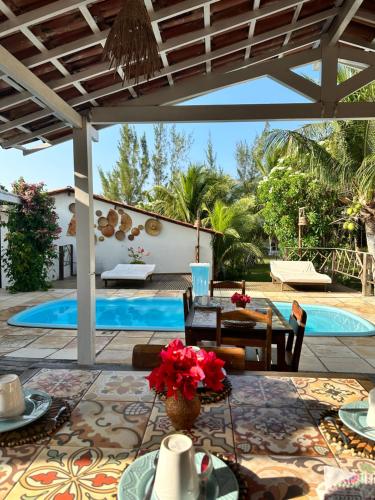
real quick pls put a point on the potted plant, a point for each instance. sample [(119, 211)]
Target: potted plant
[(240, 299), (137, 256), (180, 373)]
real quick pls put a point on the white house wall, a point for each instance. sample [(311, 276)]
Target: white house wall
[(171, 251)]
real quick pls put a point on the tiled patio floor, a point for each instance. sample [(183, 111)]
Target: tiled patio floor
[(320, 354)]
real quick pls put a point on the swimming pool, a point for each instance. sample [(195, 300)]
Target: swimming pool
[(330, 321), (166, 314), (138, 313)]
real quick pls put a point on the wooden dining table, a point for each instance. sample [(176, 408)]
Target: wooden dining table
[(200, 324)]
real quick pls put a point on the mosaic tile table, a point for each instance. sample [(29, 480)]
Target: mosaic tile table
[(268, 425)]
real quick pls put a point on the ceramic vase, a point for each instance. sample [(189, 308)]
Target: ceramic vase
[(182, 412), (241, 305)]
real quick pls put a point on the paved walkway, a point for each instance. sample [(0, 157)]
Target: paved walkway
[(320, 354)]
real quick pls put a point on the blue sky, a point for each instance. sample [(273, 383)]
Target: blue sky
[(54, 166)]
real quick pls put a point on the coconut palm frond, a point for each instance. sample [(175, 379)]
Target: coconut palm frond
[(365, 177)]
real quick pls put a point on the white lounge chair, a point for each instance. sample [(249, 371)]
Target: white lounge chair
[(139, 272), (297, 272)]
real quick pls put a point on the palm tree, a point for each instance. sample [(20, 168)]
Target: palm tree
[(234, 247), (188, 193), (340, 153)]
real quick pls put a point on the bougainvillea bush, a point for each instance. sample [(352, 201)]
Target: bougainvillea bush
[(32, 228)]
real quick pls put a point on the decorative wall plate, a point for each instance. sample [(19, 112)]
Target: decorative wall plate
[(135, 231), (72, 208), (102, 221), (141, 227), (120, 235), (99, 213), (131, 237), (101, 238), (121, 211), (153, 227)]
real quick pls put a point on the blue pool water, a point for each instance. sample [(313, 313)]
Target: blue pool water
[(330, 321), (166, 313), (138, 313)]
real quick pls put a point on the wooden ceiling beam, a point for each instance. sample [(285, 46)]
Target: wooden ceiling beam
[(297, 83), (345, 15), (355, 83), (359, 44), (39, 15)]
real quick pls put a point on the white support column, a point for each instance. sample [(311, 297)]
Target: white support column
[(85, 243)]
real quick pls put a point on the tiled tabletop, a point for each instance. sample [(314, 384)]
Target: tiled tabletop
[(268, 424)]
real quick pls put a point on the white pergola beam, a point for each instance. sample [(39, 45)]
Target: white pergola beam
[(85, 243), (178, 9), (183, 91), (12, 67), (360, 44), (243, 19), (229, 113), (346, 14), (297, 83)]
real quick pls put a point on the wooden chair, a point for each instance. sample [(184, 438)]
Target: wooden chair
[(228, 285), (187, 298), (297, 321), (241, 336), (146, 356)]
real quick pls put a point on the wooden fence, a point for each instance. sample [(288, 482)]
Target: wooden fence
[(339, 261)]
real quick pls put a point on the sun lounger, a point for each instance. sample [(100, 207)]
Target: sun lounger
[(139, 272), (299, 272)]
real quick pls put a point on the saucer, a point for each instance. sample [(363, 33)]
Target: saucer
[(134, 483), (354, 416), (37, 404)]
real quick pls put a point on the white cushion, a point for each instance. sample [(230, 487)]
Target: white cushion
[(129, 272), (299, 271)]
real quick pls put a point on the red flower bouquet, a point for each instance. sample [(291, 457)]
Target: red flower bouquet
[(240, 300), (183, 368)]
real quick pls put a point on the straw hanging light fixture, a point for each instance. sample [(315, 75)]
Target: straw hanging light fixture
[(131, 43)]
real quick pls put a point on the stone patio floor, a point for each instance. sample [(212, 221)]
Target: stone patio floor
[(27, 346)]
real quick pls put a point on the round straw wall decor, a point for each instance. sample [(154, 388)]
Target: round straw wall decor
[(125, 222), (102, 222), (120, 235), (131, 237), (121, 211), (135, 231), (153, 227), (108, 231), (112, 217)]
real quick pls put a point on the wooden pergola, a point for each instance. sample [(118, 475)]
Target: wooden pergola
[(55, 85)]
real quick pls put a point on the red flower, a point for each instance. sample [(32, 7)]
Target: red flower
[(239, 298), (182, 368)]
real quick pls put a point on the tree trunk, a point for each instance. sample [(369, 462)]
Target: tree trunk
[(370, 237)]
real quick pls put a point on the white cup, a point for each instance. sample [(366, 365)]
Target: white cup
[(12, 399), (371, 409), (176, 473)]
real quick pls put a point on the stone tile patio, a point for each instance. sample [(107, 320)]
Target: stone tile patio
[(320, 354)]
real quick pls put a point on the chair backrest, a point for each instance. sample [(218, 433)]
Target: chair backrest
[(147, 356), (228, 285), (297, 321), (242, 314), (187, 298)]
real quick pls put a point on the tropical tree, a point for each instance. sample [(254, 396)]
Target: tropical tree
[(211, 156), (126, 181), (190, 193), (340, 154), (234, 248)]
